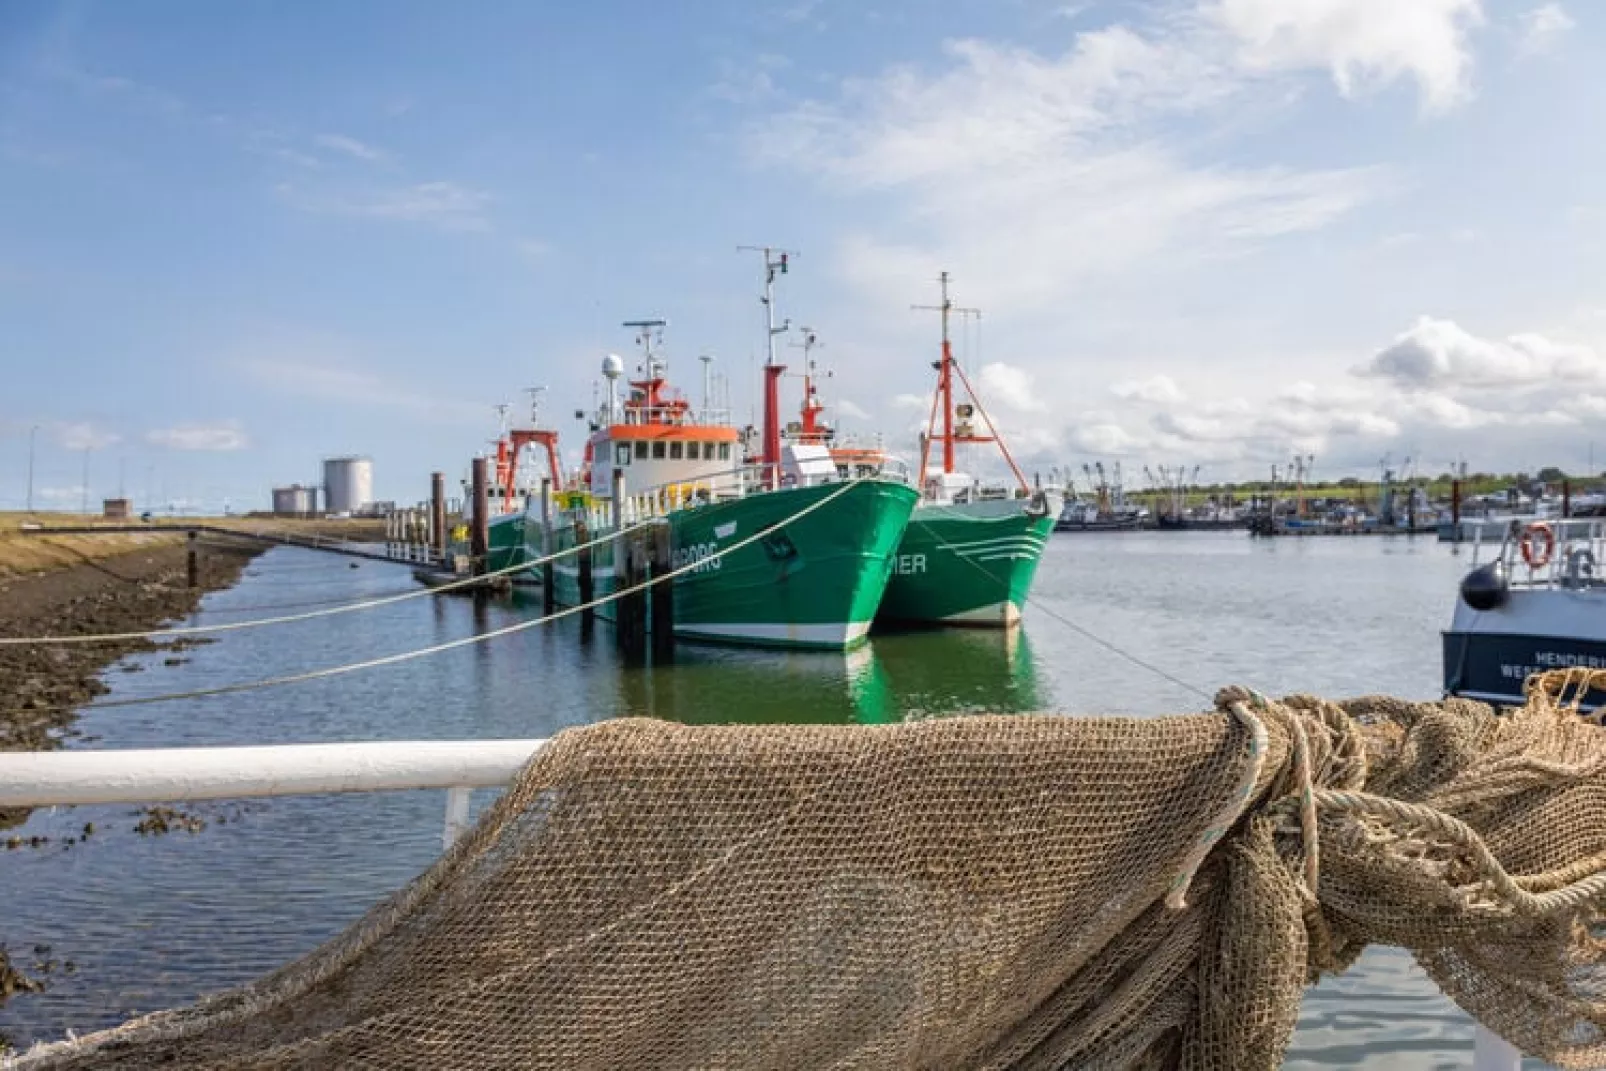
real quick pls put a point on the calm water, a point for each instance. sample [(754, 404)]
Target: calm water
[(152, 921)]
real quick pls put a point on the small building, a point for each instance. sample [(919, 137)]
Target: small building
[(116, 509)]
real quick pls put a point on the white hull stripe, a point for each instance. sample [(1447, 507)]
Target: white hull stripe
[(823, 634), (1018, 537), (997, 613)]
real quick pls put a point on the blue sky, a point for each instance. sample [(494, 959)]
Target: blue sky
[(235, 238)]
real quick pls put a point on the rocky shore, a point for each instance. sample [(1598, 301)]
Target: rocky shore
[(42, 686)]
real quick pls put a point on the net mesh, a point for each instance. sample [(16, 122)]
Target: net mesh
[(984, 892)]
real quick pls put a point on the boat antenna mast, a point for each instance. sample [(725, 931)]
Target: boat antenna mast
[(649, 335), (947, 368), (775, 263), (812, 406)]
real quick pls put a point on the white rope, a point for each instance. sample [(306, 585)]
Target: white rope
[(234, 626), (406, 656)]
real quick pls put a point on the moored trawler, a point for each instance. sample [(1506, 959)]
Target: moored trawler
[(783, 552), (970, 552)]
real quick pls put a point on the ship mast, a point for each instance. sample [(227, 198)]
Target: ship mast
[(945, 382), (775, 263), (947, 368)]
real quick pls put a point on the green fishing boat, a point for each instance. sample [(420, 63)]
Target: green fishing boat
[(784, 551), (969, 552)]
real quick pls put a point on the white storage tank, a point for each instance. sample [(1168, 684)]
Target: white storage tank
[(348, 484), (295, 501)]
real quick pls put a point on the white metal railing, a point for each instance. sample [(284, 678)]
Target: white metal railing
[(1577, 553), (171, 775)]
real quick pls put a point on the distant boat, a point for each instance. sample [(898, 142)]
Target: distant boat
[(1085, 516)]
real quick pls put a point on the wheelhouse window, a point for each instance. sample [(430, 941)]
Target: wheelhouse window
[(692, 449), (658, 450), (675, 451), (724, 451), (621, 454), (641, 449)]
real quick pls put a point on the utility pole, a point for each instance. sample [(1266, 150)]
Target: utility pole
[(33, 435)]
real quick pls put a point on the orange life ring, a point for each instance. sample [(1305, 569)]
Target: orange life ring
[(1537, 544)]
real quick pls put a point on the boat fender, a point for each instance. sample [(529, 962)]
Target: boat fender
[(1486, 587), (1537, 543)]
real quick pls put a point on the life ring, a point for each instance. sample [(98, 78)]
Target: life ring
[(1537, 543)]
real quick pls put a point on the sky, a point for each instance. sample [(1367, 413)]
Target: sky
[(238, 238)]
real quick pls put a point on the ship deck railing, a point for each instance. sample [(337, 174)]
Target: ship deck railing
[(36, 779), (1577, 559)]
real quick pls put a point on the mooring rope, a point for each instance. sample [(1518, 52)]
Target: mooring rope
[(1085, 633), (482, 637), (346, 608)]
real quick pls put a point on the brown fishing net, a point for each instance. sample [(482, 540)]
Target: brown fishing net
[(979, 892)]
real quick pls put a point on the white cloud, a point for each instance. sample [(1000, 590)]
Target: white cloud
[(1542, 27), (848, 409), (1106, 439), (200, 437), (1440, 353), (1159, 390), (1038, 171), (911, 401), (1364, 43), (446, 206), (1011, 385), (84, 436), (361, 150)]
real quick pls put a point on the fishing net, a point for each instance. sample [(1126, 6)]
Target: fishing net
[(986, 892)]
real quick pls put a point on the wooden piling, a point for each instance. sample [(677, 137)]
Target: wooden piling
[(1455, 508), (480, 542), (437, 514), (192, 561), (662, 598), (582, 536), (1566, 499), (548, 596), (630, 608)]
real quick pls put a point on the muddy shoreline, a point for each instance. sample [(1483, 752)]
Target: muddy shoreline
[(42, 686)]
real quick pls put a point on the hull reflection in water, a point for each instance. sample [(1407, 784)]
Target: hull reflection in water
[(891, 679)]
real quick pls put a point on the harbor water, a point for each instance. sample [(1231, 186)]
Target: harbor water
[(146, 922)]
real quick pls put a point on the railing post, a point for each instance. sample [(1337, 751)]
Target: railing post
[(456, 814), (1491, 1052)]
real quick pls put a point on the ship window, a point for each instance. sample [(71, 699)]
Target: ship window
[(691, 451), (724, 451), (658, 450), (641, 449), (621, 454), (674, 451)]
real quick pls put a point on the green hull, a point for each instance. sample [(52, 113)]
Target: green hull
[(813, 582), (510, 539), (966, 565)]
